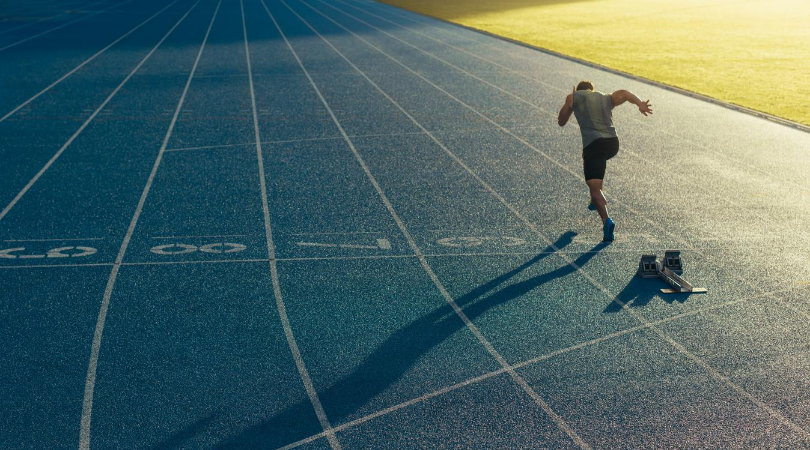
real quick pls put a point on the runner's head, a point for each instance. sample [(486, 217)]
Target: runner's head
[(585, 86)]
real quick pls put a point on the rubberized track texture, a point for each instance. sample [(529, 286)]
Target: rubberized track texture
[(326, 224)]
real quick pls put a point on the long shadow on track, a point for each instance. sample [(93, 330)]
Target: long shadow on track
[(639, 292), (391, 360)]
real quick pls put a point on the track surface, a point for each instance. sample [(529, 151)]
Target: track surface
[(335, 224)]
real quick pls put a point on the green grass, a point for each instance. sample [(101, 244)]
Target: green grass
[(753, 53)]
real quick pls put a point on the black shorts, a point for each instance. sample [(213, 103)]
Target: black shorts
[(595, 156)]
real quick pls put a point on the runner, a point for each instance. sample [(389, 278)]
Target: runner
[(594, 113)]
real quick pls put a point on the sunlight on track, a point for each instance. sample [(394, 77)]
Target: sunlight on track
[(750, 53)]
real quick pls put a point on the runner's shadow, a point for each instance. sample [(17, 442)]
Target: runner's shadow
[(639, 292), (391, 360), (178, 439)]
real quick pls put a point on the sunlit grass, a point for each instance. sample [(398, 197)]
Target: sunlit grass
[(753, 53)]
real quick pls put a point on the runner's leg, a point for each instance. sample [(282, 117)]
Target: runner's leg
[(597, 198)]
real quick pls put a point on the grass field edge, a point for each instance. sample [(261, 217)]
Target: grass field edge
[(739, 108)]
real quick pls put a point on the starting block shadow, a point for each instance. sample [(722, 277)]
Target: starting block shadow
[(638, 293)]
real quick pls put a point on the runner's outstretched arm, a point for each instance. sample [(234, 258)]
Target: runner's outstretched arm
[(567, 110), (622, 96)]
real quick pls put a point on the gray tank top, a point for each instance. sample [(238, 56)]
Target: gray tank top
[(594, 113)]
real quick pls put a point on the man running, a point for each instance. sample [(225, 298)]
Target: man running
[(594, 113)]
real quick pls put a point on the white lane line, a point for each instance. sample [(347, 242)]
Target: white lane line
[(85, 62), (53, 240), (209, 147), (335, 232), (51, 266), (90, 381), (559, 421), (551, 86), (62, 26), (79, 131), (516, 97), (556, 88), (144, 263), (509, 132), (282, 309), (443, 25), (353, 136), (212, 261), (26, 25), (343, 258), (551, 114), (397, 407), (285, 141), (522, 364), (689, 355), (185, 263), (200, 236), (348, 258)]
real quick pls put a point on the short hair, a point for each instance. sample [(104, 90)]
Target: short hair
[(585, 85)]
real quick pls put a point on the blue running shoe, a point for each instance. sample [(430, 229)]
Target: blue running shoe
[(591, 207), (608, 229)]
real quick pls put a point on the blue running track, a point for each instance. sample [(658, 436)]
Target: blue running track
[(325, 224)]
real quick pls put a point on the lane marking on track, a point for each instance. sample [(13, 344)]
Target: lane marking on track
[(512, 44), (209, 147), (53, 240), (182, 249), (518, 138), (90, 381), (680, 348), (476, 241), (382, 244), (83, 63), (56, 252), (63, 25), (199, 236), (26, 25), (768, 175), (56, 266), (558, 420), (330, 233), (509, 132), (76, 134), (522, 364), (281, 307), (334, 138), (348, 258)]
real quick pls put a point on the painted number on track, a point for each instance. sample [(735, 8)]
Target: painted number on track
[(380, 244), (181, 249), (475, 241), (59, 252)]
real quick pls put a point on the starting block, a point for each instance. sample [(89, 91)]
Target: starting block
[(669, 270)]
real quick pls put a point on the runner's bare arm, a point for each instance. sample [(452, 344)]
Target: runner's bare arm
[(567, 110), (622, 96)]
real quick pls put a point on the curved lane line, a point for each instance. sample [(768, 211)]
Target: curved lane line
[(282, 309), (643, 123), (558, 420), (526, 363), (551, 114), (90, 381), (680, 348)]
